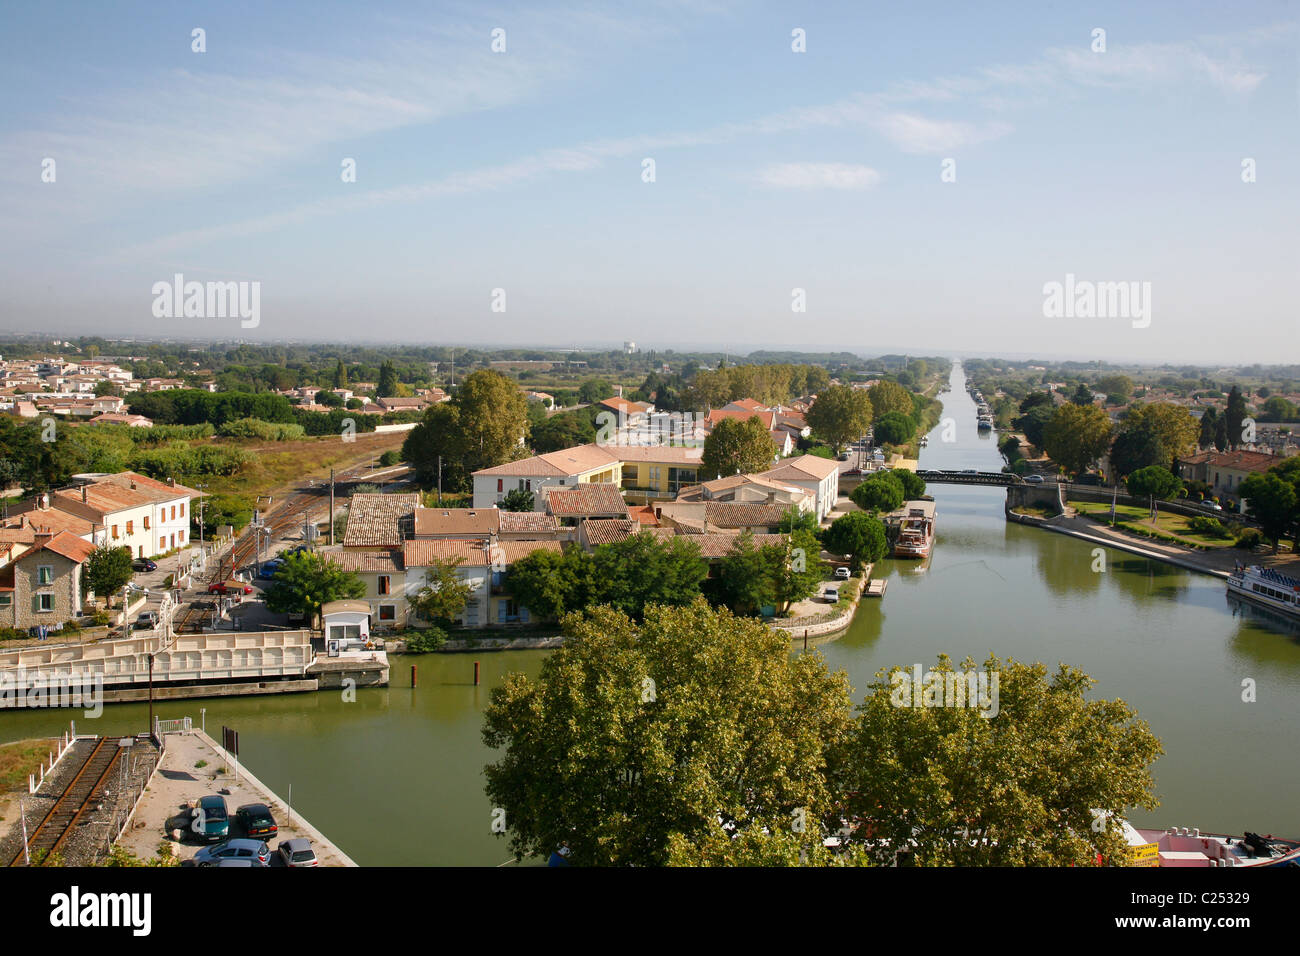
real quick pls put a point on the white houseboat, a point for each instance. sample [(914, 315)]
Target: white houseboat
[(1266, 588)]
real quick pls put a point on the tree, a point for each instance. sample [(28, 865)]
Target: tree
[(794, 519), (1016, 781), (234, 510), (858, 535), (306, 580), (1235, 416), (893, 428), (840, 415), (889, 397), (1033, 423), (107, 387), (882, 491), (107, 570), (1221, 433), (563, 430), (481, 426), (550, 584), (443, 594), (1209, 419), (796, 570), (1077, 436), (326, 397), (1082, 395), (631, 735), (737, 446), (745, 576), (640, 571), (753, 847), (594, 390), (1034, 400), (1119, 387), (387, 386), (340, 375), (1270, 500), (1156, 482), (517, 499), (1168, 432), (1278, 409), (1134, 448)]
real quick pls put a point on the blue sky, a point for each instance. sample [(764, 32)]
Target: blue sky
[(774, 170)]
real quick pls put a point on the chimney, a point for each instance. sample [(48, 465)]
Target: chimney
[(85, 494), (171, 482), (44, 502), (133, 484)]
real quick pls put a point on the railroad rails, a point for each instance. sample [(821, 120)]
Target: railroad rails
[(52, 832)]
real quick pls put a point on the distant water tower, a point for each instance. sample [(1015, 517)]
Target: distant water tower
[(629, 348)]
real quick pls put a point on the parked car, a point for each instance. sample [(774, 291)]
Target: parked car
[(211, 818), (233, 850), (256, 821), (143, 564), (843, 456), (1034, 479), (230, 587), (147, 620), (842, 574), (297, 853), (832, 595), (1088, 479), (268, 570), (852, 471), (250, 861), (1212, 505)]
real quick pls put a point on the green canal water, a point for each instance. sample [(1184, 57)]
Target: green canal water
[(395, 778)]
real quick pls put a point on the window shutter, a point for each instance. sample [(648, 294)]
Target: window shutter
[(36, 603)]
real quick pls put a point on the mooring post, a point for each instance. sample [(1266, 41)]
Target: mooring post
[(476, 673), (412, 675)]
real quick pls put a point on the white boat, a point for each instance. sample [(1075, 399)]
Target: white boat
[(915, 521), (1183, 847), (1266, 588)]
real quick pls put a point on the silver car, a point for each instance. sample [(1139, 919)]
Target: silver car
[(238, 849), (297, 852)]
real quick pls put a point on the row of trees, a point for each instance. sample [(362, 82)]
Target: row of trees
[(694, 737)]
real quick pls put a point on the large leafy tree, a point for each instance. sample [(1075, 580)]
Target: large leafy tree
[(1076, 436), (882, 491), (797, 570), (889, 397), (841, 414), (640, 571), (745, 576), (893, 428), (1018, 788), (307, 580), (1034, 420), (480, 427), (858, 535), (737, 446), (443, 594), (692, 723), (563, 430), (517, 499), (1165, 431), (1156, 482), (551, 584), (1270, 500), (107, 570)]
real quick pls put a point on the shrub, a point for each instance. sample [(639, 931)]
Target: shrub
[(1250, 538), (1203, 524), (389, 458), (423, 641)]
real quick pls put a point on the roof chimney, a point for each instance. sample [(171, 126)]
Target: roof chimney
[(44, 502), (171, 482), (85, 494)]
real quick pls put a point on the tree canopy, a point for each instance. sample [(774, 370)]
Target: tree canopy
[(882, 491), (737, 446), (1076, 436), (858, 535), (841, 414), (306, 580)]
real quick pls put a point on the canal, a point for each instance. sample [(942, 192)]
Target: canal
[(395, 777)]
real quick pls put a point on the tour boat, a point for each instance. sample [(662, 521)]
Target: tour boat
[(985, 423), (1184, 847), (1267, 588), (915, 530)]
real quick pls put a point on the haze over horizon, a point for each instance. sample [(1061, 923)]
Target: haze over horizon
[(774, 170)]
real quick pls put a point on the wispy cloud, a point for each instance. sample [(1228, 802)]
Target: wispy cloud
[(818, 176)]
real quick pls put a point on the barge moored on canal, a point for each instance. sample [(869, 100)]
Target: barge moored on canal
[(1266, 588)]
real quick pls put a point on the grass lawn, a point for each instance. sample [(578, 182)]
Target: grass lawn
[(277, 464), (1176, 526), (19, 759)]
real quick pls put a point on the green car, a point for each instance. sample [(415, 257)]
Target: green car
[(211, 819)]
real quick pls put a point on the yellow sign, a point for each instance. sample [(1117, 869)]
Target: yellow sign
[(1148, 854)]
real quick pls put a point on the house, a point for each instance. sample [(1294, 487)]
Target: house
[(529, 526), (702, 517), (394, 404), (1224, 471), (657, 472), (567, 467), (43, 585), (456, 523), (821, 476), (751, 489), (114, 418), (380, 521), (570, 506)]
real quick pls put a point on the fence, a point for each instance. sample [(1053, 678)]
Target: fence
[(65, 744), (133, 783), (181, 725)]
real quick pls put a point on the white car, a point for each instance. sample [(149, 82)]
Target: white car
[(842, 574), (1212, 505), (832, 595)]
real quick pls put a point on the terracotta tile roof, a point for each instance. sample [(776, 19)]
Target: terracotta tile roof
[(585, 499), (52, 519), (381, 561), (105, 497), (676, 455), (742, 414), (421, 554), (462, 522), (163, 490), (523, 522), (624, 405), (1236, 460), (69, 545), (749, 404), (375, 520), (599, 531), (801, 469), (734, 514), (644, 514), (719, 545), (565, 463), (515, 550)]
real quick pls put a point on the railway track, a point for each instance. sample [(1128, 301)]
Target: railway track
[(59, 823), (281, 519)]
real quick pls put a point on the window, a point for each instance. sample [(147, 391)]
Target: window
[(173, 512), (388, 612), (45, 602), (130, 527), (181, 536), (500, 484), (6, 600), (182, 509), (114, 531), (344, 632), (45, 574), (146, 523), (384, 584)]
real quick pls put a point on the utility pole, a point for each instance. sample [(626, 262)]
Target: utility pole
[(331, 507)]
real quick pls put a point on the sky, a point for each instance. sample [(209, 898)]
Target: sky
[(921, 173)]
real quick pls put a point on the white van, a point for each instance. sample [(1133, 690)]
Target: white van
[(832, 595)]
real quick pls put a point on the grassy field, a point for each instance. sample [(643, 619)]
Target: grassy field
[(275, 465), (1138, 518), (19, 759)]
